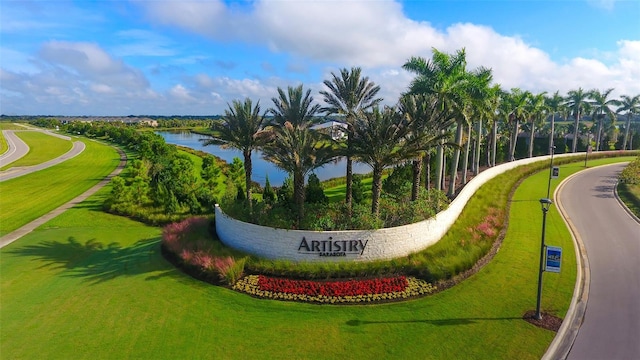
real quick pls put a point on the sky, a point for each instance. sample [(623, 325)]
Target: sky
[(156, 57)]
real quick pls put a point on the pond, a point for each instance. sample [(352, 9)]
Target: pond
[(261, 167)]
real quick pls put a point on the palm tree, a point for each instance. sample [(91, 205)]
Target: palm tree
[(240, 128), (536, 112), (348, 96), (576, 101), (601, 107), (517, 107), (426, 131), (630, 105), (554, 105), (490, 113), (294, 145), (379, 140), (443, 77), (480, 94)]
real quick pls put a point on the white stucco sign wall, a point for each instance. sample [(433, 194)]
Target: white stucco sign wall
[(353, 245)]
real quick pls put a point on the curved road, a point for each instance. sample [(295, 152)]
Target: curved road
[(18, 148), (611, 238)]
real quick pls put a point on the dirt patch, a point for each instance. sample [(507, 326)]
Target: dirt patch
[(548, 321)]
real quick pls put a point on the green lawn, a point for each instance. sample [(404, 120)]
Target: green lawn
[(630, 195), (10, 126), (28, 197), (42, 148), (3, 144), (93, 285)]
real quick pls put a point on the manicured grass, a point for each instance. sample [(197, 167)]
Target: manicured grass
[(28, 197), (10, 126), (3, 145), (93, 285), (337, 193), (42, 148), (630, 195)]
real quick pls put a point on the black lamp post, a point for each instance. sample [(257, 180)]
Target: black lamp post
[(552, 149), (546, 204)]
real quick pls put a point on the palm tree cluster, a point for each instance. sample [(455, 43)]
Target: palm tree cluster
[(448, 112)]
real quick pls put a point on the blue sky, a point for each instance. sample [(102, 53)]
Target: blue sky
[(192, 58)]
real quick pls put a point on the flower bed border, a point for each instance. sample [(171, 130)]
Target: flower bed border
[(414, 288)]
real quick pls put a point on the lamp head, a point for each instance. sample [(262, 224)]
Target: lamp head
[(545, 203)]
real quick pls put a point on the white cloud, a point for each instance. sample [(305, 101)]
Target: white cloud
[(136, 42), (181, 93), (83, 78)]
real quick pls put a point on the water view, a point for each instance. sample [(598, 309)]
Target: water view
[(261, 168)]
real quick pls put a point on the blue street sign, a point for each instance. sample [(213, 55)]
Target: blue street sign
[(554, 259)]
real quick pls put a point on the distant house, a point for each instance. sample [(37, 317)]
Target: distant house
[(338, 130)]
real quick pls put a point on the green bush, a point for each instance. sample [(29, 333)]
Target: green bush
[(631, 174)]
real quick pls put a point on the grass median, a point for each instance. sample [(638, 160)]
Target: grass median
[(42, 148), (30, 196), (90, 284)]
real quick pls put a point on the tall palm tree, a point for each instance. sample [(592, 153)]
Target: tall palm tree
[(490, 113), (576, 101), (601, 107), (294, 145), (554, 105), (630, 105), (426, 131), (444, 77), (517, 107), (380, 140), (240, 128), (480, 94), (536, 111), (349, 95)]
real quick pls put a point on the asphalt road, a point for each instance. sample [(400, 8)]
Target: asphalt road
[(17, 148), (611, 325)]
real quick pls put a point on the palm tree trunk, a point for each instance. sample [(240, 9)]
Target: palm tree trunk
[(417, 171), (626, 132), (476, 158), (494, 142), (444, 171), (474, 155), (298, 195), (427, 166), (575, 133), (439, 166), (531, 136), (349, 188), (599, 136), (376, 190), (247, 179), (455, 160), (465, 161), (514, 140)]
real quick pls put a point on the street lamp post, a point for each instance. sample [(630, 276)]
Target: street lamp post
[(546, 204), (552, 150)]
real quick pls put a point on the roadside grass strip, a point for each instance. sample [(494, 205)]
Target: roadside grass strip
[(4, 147), (31, 196), (42, 148), (93, 285)]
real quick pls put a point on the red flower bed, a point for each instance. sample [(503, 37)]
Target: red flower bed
[(334, 288)]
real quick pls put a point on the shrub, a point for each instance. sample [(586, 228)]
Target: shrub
[(631, 174)]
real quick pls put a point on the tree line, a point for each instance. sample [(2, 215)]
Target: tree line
[(449, 116)]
